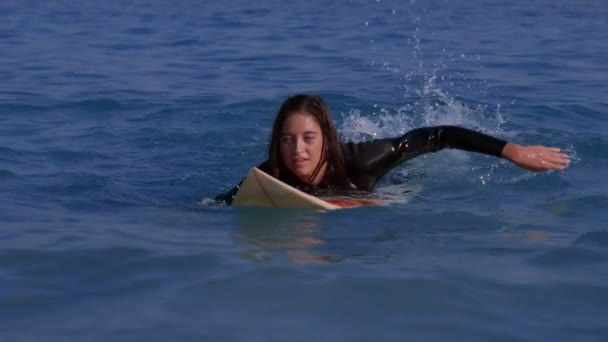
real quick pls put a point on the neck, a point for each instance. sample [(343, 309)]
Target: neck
[(319, 177)]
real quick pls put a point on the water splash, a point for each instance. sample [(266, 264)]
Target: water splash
[(208, 202), (571, 152), (431, 84), (432, 107)]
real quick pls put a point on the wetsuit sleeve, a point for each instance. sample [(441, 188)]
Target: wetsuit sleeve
[(432, 139), (228, 196), (369, 161)]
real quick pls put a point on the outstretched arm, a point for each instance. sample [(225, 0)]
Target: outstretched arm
[(372, 160), (534, 158)]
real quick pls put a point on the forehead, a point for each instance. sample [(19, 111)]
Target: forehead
[(300, 122)]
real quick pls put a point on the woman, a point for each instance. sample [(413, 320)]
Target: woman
[(305, 151)]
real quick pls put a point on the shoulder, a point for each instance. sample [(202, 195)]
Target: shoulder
[(368, 151)]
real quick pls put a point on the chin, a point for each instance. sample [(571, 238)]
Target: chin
[(301, 173)]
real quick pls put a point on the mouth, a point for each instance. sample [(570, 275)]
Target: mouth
[(300, 161)]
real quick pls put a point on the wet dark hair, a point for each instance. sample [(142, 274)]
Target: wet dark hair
[(331, 149)]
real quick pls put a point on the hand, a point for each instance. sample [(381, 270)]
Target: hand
[(536, 158)]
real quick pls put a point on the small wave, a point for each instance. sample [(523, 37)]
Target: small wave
[(100, 104), (140, 31), (18, 107), (32, 105), (597, 238), (7, 151), (183, 42), (7, 174), (398, 193), (75, 155), (573, 256)]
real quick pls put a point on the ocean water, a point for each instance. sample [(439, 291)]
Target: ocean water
[(121, 120)]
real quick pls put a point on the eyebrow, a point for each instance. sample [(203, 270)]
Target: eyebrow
[(305, 133)]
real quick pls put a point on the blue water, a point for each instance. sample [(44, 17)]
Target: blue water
[(119, 121)]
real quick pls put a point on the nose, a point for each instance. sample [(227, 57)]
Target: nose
[(299, 145)]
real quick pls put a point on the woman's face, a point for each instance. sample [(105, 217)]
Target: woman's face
[(301, 145)]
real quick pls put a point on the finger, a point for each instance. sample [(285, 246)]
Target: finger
[(554, 166), (563, 158), (557, 157), (560, 163), (546, 165)]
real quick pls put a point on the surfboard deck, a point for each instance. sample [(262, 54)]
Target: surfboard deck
[(260, 189)]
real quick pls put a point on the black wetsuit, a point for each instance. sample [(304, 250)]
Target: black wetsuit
[(367, 162)]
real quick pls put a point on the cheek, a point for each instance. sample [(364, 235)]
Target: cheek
[(317, 149), (284, 152)]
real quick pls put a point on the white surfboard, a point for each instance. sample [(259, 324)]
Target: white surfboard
[(260, 189)]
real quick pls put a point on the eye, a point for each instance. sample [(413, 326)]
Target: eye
[(309, 139), (285, 139)]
